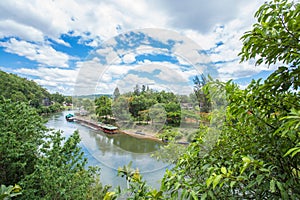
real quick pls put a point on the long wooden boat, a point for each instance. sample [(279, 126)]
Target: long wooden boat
[(107, 128)]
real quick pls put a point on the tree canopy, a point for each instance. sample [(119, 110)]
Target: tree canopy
[(255, 153), (45, 164), (19, 89)]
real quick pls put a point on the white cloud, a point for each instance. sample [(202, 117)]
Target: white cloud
[(202, 16), (235, 70), (205, 23), (9, 27), (98, 18), (62, 80), (128, 58), (51, 75), (128, 82), (43, 54)]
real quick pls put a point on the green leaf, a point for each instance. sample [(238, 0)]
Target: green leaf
[(216, 180), (246, 159), (294, 151), (224, 170), (204, 196), (232, 183), (194, 195), (259, 179), (209, 181), (245, 166), (272, 186)]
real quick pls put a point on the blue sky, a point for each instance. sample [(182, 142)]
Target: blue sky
[(93, 46)]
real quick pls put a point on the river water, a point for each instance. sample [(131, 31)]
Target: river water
[(112, 151)]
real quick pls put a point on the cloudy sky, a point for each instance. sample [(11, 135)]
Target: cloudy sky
[(93, 46)]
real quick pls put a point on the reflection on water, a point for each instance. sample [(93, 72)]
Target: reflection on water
[(112, 151)]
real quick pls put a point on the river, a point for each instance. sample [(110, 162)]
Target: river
[(112, 151)]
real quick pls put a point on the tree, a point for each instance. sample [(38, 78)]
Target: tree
[(20, 89), (21, 134), (276, 35), (136, 90), (116, 93), (88, 105), (56, 97), (120, 110), (256, 154), (61, 173), (42, 162), (202, 99), (173, 113), (103, 106)]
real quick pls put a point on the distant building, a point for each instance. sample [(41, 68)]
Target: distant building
[(46, 102), (83, 112), (187, 106)]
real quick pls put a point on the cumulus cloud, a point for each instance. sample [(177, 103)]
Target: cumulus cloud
[(51, 75), (234, 70), (9, 27), (43, 54), (54, 79), (203, 15), (129, 58), (98, 18), (206, 37)]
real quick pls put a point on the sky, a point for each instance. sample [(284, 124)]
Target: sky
[(79, 47)]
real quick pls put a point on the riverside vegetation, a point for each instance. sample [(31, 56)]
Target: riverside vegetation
[(254, 156)]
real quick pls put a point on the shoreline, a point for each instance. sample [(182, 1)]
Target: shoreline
[(140, 136), (137, 134)]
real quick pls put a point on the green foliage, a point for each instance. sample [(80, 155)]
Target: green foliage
[(116, 93), (22, 90), (170, 153), (19, 89), (256, 153), (56, 97), (140, 105), (103, 106), (252, 157), (173, 113), (290, 128), (45, 164), (8, 192), (275, 36), (21, 134), (136, 186), (88, 105), (202, 99), (60, 171)]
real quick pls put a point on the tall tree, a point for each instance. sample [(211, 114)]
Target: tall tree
[(103, 106), (257, 153), (203, 101), (21, 134), (116, 93), (43, 163), (137, 90), (276, 35)]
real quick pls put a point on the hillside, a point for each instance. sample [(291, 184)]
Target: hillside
[(23, 90)]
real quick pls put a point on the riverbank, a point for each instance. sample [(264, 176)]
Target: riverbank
[(141, 134), (131, 132)]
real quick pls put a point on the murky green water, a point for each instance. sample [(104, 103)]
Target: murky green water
[(113, 151)]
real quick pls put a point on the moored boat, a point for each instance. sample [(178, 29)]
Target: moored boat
[(70, 117), (107, 128)]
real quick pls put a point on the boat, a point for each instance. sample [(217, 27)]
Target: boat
[(70, 117), (107, 128)]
